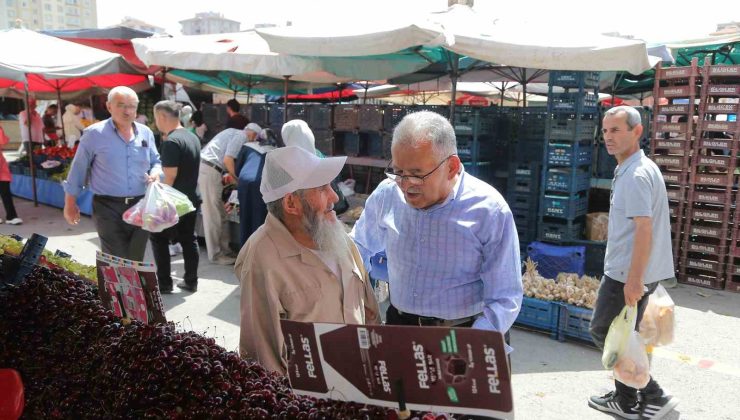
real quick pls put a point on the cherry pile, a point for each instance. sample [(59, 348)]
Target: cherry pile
[(78, 360)]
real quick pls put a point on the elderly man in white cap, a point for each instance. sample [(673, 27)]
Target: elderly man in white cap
[(216, 169), (301, 264)]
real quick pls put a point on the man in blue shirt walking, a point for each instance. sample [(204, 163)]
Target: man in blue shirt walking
[(120, 156), (452, 246)]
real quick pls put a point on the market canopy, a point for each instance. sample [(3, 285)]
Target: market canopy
[(465, 32), (116, 39), (234, 83), (54, 67), (247, 53)]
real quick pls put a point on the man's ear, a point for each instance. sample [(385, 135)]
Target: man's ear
[(638, 130), (292, 205), (454, 166)]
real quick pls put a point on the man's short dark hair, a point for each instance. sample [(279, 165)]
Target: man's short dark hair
[(233, 105)]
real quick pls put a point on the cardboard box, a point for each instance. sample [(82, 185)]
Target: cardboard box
[(597, 226)]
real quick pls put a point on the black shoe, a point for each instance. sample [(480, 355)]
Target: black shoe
[(186, 286), (613, 403), (165, 290), (657, 407)]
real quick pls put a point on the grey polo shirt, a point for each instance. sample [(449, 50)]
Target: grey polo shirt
[(638, 189), (226, 143)]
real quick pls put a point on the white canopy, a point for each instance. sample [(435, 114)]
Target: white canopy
[(461, 30), (246, 52), (27, 52)]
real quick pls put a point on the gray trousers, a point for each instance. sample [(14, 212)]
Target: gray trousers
[(215, 225), (116, 236), (609, 303)]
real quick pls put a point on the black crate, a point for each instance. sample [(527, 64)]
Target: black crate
[(374, 142), (349, 143), (525, 151), (524, 178), (605, 163), (257, 113), (370, 118), (392, 115), (572, 129), (533, 125), (319, 117), (276, 114), (298, 112), (346, 117), (324, 141), (557, 232), (574, 79), (387, 142)]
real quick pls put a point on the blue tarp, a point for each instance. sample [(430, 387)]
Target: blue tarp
[(48, 192)]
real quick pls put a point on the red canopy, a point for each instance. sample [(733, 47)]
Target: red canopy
[(118, 46), (333, 96)]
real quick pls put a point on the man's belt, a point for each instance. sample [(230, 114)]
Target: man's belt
[(212, 165), (435, 322), (124, 200)]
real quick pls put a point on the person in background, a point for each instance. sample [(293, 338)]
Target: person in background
[(117, 158), (180, 160), (50, 125), (11, 217), (300, 264), (217, 169), (638, 255), (236, 120), (73, 126), (185, 114), (37, 128), (198, 127), (452, 246), (249, 167)]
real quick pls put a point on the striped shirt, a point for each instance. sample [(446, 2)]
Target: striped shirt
[(456, 259)]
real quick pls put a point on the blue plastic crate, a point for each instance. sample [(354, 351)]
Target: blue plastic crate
[(526, 151), (564, 207), (351, 143), (574, 322), (571, 79), (569, 154), (522, 202), (540, 314), (556, 232), (319, 116), (276, 115), (567, 180), (573, 103), (555, 259), (533, 125), (605, 164), (374, 141), (572, 129)]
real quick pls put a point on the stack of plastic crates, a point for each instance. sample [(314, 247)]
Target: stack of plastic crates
[(707, 246), (676, 92), (566, 165), (522, 194)]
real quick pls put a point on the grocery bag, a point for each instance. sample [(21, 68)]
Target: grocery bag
[(160, 208), (618, 336), (633, 367), (659, 322)]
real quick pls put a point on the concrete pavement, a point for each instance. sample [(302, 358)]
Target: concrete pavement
[(551, 380)]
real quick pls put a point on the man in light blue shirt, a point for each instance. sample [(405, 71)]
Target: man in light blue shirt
[(119, 159), (452, 246)]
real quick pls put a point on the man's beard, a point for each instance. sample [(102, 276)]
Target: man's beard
[(328, 235)]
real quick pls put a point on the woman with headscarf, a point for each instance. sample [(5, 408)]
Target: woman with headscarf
[(73, 126)]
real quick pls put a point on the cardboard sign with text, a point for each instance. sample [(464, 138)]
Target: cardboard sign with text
[(129, 288), (452, 370)]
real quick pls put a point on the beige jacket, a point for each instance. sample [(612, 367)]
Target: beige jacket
[(282, 279)]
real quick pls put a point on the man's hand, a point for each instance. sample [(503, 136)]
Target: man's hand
[(72, 213), (151, 178), (633, 291), (227, 179)]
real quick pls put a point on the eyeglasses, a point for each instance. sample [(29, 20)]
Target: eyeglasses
[(414, 180)]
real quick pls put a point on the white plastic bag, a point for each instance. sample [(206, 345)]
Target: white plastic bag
[(633, 367), (618, 336), (160, 208), (658, 323)]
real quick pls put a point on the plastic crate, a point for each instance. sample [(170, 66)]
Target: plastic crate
[(319, 117), (605, 163), (297, 112), (578, 129), (472, 121), (533, 125), (573, 103), (540, 314), (350, 144), (567, 180), (522, 203), (374, 142), (528, 150), (346, 117), (564, 206), (569, 154), (392, 115), (370, 117), (324, 141), (257, 113), (571, 79), (524, 177), (276, 115), (557, 232), (387, 143), (574, 322), (555, 259)]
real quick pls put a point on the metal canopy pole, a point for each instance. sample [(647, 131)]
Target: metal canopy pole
[(453, 78), (30, 147), (59, 108), (285, 99)]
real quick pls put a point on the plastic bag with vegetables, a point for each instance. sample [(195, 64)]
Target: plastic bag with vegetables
[(658, 323), (633, 367), (618, 336), (160, 208)]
